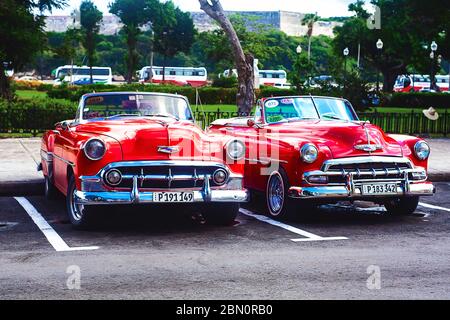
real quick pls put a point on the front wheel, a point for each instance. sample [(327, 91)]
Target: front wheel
[(402, 206), (279, 206), (222, 214), (80, 216)]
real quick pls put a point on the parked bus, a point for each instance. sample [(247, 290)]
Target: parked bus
[(417, 82), (180, 76), (274, 78), (81, 75)]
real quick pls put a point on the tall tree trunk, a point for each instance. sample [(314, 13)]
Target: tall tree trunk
[(244, 62), (389, 77), (5, 88), (131, 43)]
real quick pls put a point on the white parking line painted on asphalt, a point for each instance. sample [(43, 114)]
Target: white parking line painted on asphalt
[(430, 206), (52, 236), (308, 236)]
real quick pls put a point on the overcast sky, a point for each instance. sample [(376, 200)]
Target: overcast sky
[(325, 8)]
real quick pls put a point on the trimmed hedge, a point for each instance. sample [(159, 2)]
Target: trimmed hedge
[(33, 115), (208, 95), (418, 100)]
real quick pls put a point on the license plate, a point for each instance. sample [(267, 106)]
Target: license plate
[(173, 197), (379, 188)]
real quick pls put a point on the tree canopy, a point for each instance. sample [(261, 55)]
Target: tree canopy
[(407, 29), (22, 34)]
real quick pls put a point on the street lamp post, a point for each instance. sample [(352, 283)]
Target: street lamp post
[(346, 52), (434, 48), (299, 51), (379, 50)]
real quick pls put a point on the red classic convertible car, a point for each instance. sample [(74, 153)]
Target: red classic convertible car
[(305, 151), (134, 148)]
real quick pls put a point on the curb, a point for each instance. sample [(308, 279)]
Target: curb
[(439, 177), (22, 188)]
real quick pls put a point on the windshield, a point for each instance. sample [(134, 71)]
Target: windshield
[(113, 106), (306, 108)]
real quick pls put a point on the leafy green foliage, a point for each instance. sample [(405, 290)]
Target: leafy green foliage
[(21, 34), (408, 27), (133, 14), (173, 29)]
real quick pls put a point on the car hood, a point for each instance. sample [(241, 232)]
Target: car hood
[(153, 139), (344, 139)]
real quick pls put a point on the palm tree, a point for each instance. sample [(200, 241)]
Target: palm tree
[(309, 19)]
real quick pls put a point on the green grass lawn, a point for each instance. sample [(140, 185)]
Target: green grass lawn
[(30, 94)]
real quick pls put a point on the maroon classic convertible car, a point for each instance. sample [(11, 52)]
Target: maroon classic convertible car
[(304, 151), (132, 148)]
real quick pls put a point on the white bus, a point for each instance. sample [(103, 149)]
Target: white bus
[(180, 76), (417, 82), (274, 78), (81, 75)]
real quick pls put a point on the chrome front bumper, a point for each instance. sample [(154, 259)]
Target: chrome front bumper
[(98, 198), (95, 192), (353, 188), (343, 192)]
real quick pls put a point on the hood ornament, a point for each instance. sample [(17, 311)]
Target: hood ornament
[(368, 147), (169, 149)]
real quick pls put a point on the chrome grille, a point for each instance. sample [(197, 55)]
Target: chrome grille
[(370, 170), (164, 176)]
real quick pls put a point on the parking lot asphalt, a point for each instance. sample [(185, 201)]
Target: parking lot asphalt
[(341, 252)]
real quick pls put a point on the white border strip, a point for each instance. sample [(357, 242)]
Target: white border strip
[(430, 206), (52, 236), (308, 235)]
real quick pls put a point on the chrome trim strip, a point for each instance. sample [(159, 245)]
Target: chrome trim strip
[(61, 159), (47, 156)]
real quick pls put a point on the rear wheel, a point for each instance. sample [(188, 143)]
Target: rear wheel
[(402, 206), (49, 189), (80, 216), (222, 214)]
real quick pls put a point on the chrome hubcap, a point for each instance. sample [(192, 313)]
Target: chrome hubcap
[(275, 194), (77, 209)]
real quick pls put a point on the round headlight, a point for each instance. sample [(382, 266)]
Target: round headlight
[(422, 150), (94, 149), (309, 153), (220, 176), (235, 149), (114, 177)]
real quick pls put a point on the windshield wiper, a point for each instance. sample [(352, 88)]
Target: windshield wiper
[(301, 119), (332, 117), (163, 115), (124, 115)]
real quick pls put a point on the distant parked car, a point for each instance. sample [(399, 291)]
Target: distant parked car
[(28, 78)]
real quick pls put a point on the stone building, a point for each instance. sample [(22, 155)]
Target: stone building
[(288, 22)]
